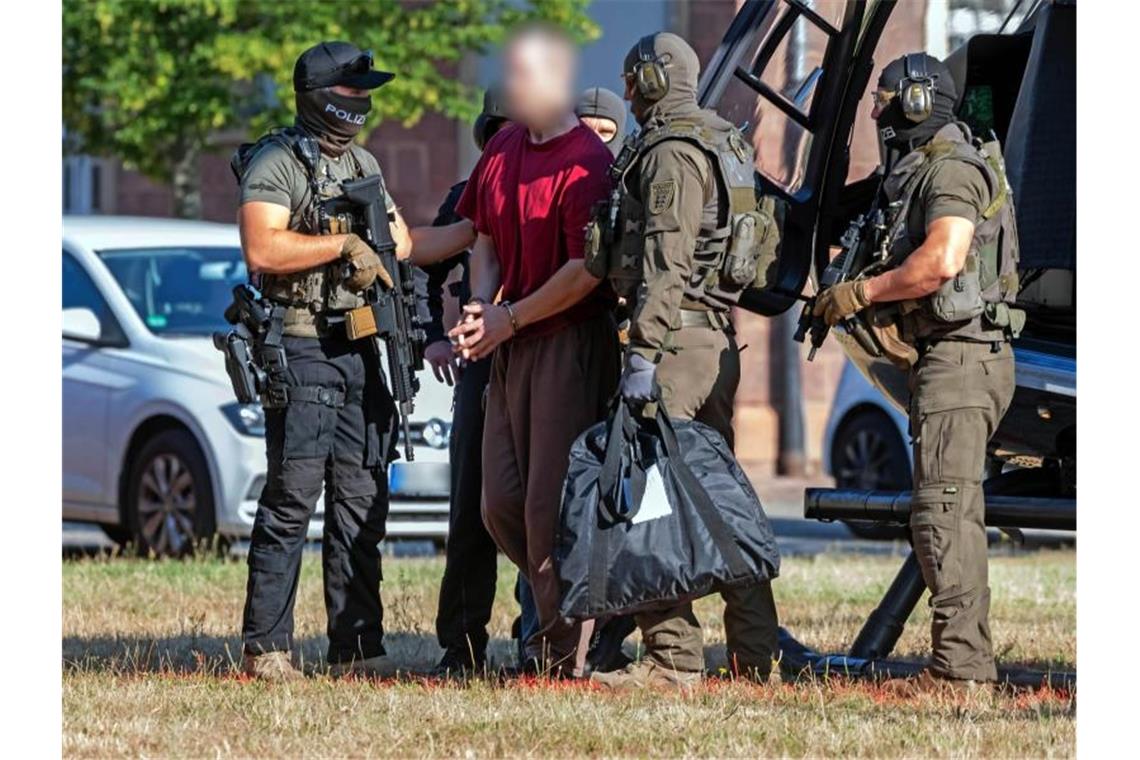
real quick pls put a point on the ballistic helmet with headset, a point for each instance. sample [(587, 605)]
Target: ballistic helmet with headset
[(649, 73), (915, 91)]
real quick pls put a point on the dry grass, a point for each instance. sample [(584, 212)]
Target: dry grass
[(149, 651)]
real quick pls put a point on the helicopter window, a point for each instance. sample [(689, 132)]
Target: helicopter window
[(772, 95)]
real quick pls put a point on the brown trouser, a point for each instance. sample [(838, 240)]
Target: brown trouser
[(699, 382), (959, 393), (544, 393)]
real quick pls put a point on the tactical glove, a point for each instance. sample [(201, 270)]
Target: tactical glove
[(841, 301), (364, 266), (639, 380)]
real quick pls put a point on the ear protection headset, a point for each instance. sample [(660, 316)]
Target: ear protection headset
[(916, 89), (649, 74)]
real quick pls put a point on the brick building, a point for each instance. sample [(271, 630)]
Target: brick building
[(422, 162)]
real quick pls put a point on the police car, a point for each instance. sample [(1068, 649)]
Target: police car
[(155, 448)]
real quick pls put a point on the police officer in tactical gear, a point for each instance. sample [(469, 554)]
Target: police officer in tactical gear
[(330, 420), (604, 112), (681, 238), (942, 297)]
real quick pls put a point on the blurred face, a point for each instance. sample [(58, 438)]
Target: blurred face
[(603, 128), (539, 80)]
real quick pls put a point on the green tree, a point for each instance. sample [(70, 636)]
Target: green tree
[(151, 81)]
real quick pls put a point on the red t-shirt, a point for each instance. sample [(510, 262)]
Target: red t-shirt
[(534, 202)]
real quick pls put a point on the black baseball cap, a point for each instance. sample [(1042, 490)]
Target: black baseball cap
[(331, 63)]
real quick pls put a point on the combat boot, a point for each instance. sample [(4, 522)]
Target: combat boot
[(460, 664), (755, 672), (647, 674), (270, 666), (380, 666), (928, 683)]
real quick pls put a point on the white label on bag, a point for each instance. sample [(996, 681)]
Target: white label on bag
[(654, 502)]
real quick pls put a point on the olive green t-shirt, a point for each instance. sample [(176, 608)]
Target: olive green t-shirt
[(277, 176), (953, 187)]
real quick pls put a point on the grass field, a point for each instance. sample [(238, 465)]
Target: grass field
[(150, 657)]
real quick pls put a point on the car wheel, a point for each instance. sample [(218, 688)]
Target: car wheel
[(170, 503), (868, 454)]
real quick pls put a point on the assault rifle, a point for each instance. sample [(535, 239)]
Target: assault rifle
[(390, 315), (856, 245)]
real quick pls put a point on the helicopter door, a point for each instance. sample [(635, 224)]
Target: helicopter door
[(790, 73)]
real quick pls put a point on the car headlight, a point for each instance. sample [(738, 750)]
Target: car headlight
[(436, 433), (247, 419)]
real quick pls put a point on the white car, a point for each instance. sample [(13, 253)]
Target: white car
[(155, 447), (865, 442)]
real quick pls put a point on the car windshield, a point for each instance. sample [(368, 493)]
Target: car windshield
[(178, 290)]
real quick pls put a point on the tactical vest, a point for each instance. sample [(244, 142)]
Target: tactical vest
[(307, 294), (734, 251), (977, 303)]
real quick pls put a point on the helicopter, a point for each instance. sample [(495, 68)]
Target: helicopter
[(796, 74)]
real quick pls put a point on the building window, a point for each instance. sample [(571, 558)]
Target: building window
[(85, 185)]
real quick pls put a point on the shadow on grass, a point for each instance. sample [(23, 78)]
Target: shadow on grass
[(222, 655)]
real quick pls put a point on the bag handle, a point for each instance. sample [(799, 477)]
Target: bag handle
[(622, 433), (718, 529)]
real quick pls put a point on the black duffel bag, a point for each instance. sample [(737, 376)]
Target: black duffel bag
[(656, 512)]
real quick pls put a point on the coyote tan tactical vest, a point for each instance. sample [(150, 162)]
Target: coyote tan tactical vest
[(735, 247), (977, 303)]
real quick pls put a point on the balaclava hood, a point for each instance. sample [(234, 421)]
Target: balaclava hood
[(601, 103), (684, 69), (332, 118), (899, 134), (493, 116)]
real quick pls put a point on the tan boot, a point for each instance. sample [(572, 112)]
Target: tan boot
[(380, 666), (270, 666), (928, 683), (647, 674)]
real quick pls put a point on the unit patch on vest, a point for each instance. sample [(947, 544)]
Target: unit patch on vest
[(661, 195)]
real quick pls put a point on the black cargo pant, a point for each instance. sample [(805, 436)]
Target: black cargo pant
[(467, 590), (341, 444)]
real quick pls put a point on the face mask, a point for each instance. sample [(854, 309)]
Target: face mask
[(332, 118)]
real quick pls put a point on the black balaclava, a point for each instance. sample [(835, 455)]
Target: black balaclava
[(493, 116), (684, 69), (332, 118), (600, 103), (898, 134)]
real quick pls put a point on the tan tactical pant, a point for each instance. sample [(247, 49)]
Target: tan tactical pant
[(544, 392), (699, 382), (959, 393)]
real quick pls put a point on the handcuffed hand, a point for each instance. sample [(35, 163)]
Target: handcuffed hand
[(364, 265), (480, 330), (443, 362), (841, 301), (639, 380)]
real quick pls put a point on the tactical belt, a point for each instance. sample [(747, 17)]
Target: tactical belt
[(925, 345), (280, 396), (717, 320)]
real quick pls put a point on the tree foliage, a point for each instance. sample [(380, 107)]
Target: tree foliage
[(150, 81)]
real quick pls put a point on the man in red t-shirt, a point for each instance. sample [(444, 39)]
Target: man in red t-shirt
[(556, 356)]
